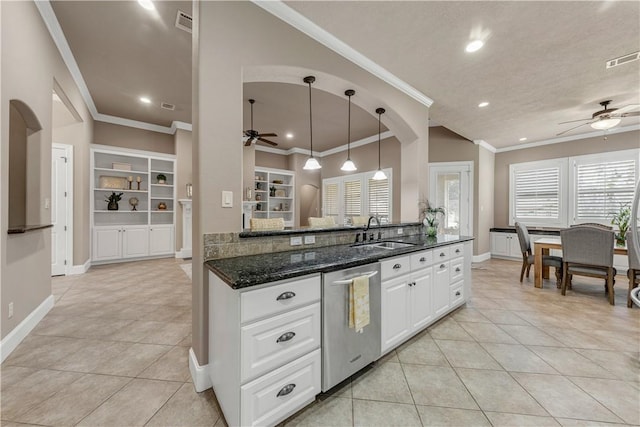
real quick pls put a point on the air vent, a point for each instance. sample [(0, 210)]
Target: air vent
[(184, 21), (623, 60), (168, 106)]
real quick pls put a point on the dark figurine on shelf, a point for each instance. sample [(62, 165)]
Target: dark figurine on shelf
[(272, 191), (113, 200)]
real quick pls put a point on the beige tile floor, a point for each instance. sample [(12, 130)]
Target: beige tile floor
[(113, 352)]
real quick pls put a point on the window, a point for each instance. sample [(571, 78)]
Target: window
[(357, 195), (545, 193), (602, 185), (536, 190)]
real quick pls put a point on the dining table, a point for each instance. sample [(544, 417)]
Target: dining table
[(542, 247)]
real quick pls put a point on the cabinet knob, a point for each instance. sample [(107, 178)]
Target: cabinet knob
[(423, 259), (457, 293), (286, 390), (458, 270), (285, 295), (457, 251), (397, 266), (442, 254), (286, 337), (442, 266)]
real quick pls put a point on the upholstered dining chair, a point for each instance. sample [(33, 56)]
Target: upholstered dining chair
[(528, 258), (588, 251), (594, 224), (634, 267)]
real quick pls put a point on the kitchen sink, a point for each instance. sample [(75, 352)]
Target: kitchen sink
[(383, 245)]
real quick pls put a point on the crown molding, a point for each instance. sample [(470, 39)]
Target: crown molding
[(594, 134), (305, 25), (485, 144)]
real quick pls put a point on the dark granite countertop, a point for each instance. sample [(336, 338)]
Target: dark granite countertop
[(314, 230), (26, 228), (251, 270), (548, 231)]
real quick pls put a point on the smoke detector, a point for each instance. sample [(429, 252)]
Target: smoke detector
[(167, 106), (184, 21), (623, 59)]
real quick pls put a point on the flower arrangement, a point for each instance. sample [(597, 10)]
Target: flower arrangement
[(622, 219), (113, 200), (429, 216), (161, 178)]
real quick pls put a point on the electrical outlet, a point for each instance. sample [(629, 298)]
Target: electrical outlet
[(296, 241), (309, 240), (399, 230), (10, 310)]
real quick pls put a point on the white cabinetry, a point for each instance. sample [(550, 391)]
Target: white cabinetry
[(274, 191), (419, 288), (265, 349), (505, 245), (132, 230)]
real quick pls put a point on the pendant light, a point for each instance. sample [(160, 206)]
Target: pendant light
[(348, 165), (311, 163), (380, 175)]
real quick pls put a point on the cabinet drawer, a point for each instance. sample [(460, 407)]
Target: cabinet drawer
[(281, 297), (456, 251), (421, 260), (272, 342), (395, 267), (457, 270), (278, 394), (457, 293), (441, 254)]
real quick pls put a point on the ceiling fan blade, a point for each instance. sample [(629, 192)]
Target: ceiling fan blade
[(267, 141), (573, 121), (626, 109), (631, 114), (575, 127), (248, 142), (269, 134)]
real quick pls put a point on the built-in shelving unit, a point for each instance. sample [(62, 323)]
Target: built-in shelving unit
[(125, 233), (274, 195)]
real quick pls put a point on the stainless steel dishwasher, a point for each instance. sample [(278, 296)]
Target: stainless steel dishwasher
[(345, 351)]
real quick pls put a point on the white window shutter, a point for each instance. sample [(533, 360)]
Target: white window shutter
[(602, 188), (537, 194)]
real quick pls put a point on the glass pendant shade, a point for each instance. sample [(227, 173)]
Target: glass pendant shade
[(605, 124), (379, 175), (311, 164), (348, 166)]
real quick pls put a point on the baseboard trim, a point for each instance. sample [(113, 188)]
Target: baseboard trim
[(482, 257), (15, 337), (79, 269), (183, 253), (199, 374)]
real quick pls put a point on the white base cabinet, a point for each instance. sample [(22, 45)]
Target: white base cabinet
[(131, 241), (161, 239), (505, 245)]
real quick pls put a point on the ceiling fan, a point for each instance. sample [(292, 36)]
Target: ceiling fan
[(255, 136), (605, 118)]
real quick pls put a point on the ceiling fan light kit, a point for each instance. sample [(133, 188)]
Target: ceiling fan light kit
[(605, 123), (348, 165), (379, 175), (311, 163), (606, 118)]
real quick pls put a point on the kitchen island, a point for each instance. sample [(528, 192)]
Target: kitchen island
[(265, 317)]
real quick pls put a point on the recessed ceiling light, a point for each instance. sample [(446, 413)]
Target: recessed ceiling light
[(147, 4), (289, 135), (474, 46), (483, 104), (523, 139), (145, 100)]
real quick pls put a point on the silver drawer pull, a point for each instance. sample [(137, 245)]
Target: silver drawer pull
[(442, 266), (458, 293), (285, 295), (286, 390), (286, 337), (458, 270), (457, 251), (442, 254), (423, 259), (397, 266)]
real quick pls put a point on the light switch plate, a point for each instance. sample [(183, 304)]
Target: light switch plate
[(399, 230), (309, 240), (227, 199)]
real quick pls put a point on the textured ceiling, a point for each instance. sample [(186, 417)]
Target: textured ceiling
[(543, 63)]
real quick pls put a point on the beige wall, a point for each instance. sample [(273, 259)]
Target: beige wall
[(138, 139), (271, 160), (614, 142), (28, 75), (234, 39), (184, 147), (366, 159)]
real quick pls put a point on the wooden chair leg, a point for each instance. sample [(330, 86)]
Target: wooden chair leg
[(528, 268), (632, 284), (612, 300), (564, 278), (524, 267), (558, 277)]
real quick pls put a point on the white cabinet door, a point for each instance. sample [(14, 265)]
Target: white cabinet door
[(514, 246), (395, 310), (500, 244), (135, 241), (441, 288), (421, 300), (161, 239), (107, 243)]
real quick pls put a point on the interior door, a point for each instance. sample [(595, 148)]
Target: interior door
[(58, 211), (450, 187)]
